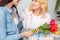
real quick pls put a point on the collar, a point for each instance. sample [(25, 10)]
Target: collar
[(7, 8)]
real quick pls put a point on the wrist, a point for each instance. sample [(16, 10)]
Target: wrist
[(22, 35)]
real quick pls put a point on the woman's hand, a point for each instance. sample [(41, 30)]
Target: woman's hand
[(27, 34), (37, 30)]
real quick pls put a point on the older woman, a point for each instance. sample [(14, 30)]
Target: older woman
[(34, 16), (10, 26)]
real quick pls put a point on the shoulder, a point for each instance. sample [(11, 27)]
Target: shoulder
[(48, 18), (48, 15)]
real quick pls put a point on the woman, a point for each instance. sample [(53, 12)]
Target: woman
[(35, 16), (10, 27)]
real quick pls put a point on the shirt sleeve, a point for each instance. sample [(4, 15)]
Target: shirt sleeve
[(3, 34), (48, 19), (23, 14)]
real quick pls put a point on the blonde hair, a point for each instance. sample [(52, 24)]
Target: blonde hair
[(44, 6)]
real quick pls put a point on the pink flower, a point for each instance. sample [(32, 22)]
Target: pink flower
[(53, 25), (52, 22)]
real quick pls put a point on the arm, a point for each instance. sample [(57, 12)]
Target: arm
[(23, 15), (3, 34)]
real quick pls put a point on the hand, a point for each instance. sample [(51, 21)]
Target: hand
[(34, 31), (26, 34), (37, 30)]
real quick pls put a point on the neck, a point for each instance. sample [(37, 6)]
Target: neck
[(10, 5), (36, 12)]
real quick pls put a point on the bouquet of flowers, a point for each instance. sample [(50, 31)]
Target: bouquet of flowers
[(48, 28)]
